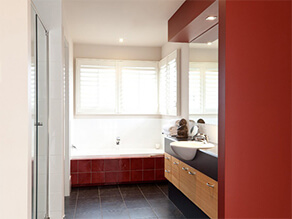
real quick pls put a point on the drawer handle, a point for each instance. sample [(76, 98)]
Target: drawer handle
[(210, 185), (191, 173), (175, 163), (184, 168), (167, 158), (167, 171)]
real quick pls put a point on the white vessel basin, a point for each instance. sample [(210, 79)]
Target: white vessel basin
[(187, 149)]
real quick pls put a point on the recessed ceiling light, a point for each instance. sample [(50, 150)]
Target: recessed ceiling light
[(209, 43), (121, 40), (211, 18)]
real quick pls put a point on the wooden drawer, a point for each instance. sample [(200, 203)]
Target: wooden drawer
[(207, 195), (188, 179), (175, 172), (167, 167)]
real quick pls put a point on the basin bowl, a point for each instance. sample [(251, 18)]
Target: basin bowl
[(187, 150)]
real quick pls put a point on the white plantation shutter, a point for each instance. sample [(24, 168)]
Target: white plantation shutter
[(138, 87), (195, 94), (203, 88), (168, 89), (211, 90), (96, 87)]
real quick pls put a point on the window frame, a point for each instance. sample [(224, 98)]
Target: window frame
[(203, 66), (118, 66)]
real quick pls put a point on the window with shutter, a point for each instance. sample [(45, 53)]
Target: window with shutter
[(96, 87), (168, 85), (116, 87), (138, 88), (203, 88)]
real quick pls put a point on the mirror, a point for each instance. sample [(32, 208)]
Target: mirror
[(203, 77)]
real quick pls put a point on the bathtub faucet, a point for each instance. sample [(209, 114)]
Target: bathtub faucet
[(118, 139)]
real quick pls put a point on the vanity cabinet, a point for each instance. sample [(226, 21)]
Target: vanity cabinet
[(199, 188)]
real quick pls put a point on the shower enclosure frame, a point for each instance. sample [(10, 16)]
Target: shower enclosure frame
[(38, 123)]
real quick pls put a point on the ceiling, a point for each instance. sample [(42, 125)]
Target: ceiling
[(209, 36), (103, 22)]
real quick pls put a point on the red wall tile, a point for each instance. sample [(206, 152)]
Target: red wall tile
[(148, 163), (84, 178), (159, 175), (111, 165), (97, 165), (124, 164), (73, 166), (84, 166), (148, 175), (136, 176), (111, 177), (159, 163), (74, 179), (136, 164), (98, 177), (124, 176)]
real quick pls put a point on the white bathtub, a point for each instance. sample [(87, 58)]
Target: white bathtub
[(125, 152)]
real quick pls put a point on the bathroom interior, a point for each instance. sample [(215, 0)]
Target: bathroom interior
[(136, 107)]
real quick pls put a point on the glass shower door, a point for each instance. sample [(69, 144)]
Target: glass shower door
[(40, 96)]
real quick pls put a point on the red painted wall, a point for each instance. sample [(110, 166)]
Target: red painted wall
[(258, 109)]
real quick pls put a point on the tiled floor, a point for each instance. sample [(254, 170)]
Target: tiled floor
[(123, 201)]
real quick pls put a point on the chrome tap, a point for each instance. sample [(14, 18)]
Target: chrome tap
[(118, 139), (201, 137)]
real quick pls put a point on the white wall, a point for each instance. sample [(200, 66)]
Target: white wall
[(15, 132), (135, 132), (117, 52), (203, 55), (50, 12)]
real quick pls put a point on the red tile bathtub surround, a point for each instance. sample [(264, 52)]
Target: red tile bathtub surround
[(97, 165), (74, 178), (159, 163), (159, 175), (84, 166), (111, 177), (111, 165), (74, 166), (148, 175), (84, 178), (102, 171), (98, 178), (124, 176), (136, 175), (148, 163), (136, 164), (124, 164)]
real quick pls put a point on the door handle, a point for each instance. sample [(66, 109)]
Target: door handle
[(39, 124)]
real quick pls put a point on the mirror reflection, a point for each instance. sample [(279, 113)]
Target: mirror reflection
[(203, 77)]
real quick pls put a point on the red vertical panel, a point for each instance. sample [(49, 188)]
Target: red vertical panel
[(258, 109)]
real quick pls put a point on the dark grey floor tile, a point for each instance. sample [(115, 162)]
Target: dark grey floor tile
[(164, 203), (87, 214), (141, 203), (155, 196), (141, 213), (163, 187), (88, 192), (168, 212), (149, 188), (128, 189), (133, 197), (112, 202), (109, 191), (115, 213)]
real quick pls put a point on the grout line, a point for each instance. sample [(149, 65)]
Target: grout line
[(98, 190), (147, 201), (77, 196), (123, 200)]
